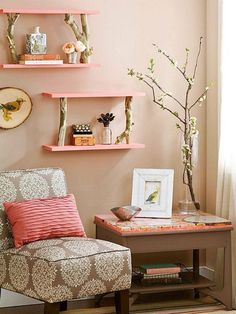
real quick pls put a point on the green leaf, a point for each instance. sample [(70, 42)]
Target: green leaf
[(131, 72)]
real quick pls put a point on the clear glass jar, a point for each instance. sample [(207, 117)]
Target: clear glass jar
[(190, 204), (106, 136)]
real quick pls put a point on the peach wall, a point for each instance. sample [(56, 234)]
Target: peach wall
[(122, 37), (213, 50)]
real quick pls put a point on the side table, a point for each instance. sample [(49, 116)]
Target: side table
[(145, 235)]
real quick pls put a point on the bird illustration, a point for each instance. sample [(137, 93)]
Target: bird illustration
[(11, 106), (153, 197)]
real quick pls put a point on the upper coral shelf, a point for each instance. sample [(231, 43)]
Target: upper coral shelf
[(41, 11)]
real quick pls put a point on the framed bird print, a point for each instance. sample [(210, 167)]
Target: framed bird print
[(153, 192), (15, 107)]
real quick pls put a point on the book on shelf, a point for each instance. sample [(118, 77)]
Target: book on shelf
[(47, 56), (40, 62), (158, 276), (159, 268), (165, 281)]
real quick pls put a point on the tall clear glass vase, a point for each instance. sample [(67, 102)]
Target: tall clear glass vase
[(190, 205)]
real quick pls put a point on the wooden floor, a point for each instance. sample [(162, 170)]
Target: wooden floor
[(161, 306)]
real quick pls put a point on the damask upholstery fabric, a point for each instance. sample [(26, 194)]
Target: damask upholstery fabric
[(19, 185), (66, 268), (44, 218), (56, 270)]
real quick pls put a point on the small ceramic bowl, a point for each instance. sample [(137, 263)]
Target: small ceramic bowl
[(126, 212)]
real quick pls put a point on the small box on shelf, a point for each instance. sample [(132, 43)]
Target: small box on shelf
[(83, 140), (82, 135)]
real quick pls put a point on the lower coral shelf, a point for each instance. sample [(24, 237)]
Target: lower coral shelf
[(67, 148)]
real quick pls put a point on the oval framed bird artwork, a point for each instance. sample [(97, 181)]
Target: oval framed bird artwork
[(15, 107)]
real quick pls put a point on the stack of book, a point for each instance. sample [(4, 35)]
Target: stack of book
[(160, 273), (40, 59), (82, 135)]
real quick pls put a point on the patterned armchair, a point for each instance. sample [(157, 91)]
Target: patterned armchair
[(60, 269)]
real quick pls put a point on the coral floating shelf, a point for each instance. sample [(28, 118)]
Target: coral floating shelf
[(53, 148), (93, 94), (43, 66), (63, 96), (40, 11)]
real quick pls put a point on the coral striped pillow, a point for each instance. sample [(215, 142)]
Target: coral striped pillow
[(40, 219)]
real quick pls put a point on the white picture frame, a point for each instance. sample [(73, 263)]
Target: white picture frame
[(152, 191)]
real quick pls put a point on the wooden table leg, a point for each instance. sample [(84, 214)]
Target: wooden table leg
[(196, 271), (225, 294)]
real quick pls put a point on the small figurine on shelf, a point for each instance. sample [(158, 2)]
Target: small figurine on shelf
[(82, 135), (36, 42), (72, 49), (107, 133)]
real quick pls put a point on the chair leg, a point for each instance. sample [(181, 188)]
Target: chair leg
[(63, 306), (122, 301), (52, 308)]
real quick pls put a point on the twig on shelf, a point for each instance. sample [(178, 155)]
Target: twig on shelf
[(63, 121), (82, 35), (12, 19), (129, 122)]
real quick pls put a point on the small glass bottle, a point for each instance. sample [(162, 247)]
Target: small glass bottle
[(36, 42), (106, 136), (106, 119)]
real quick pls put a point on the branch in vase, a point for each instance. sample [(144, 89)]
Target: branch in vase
[(174, 113), (161, 89), (200, 99), (198, 55), (172, 61), (186, 60)]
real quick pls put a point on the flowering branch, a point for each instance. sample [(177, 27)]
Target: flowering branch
[(160, 102), (200, 99), (198, 55), (162, 90), (172, 61), (187, 124), (186, 60)]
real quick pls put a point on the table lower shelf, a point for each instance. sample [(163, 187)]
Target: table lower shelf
[(188, 283)]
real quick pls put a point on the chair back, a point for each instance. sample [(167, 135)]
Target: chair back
[(19, 185)]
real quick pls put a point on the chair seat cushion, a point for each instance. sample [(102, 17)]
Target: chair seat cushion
[(75, 267)]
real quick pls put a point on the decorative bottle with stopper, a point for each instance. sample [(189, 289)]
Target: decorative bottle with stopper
[(36, 42), (107, 133)]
